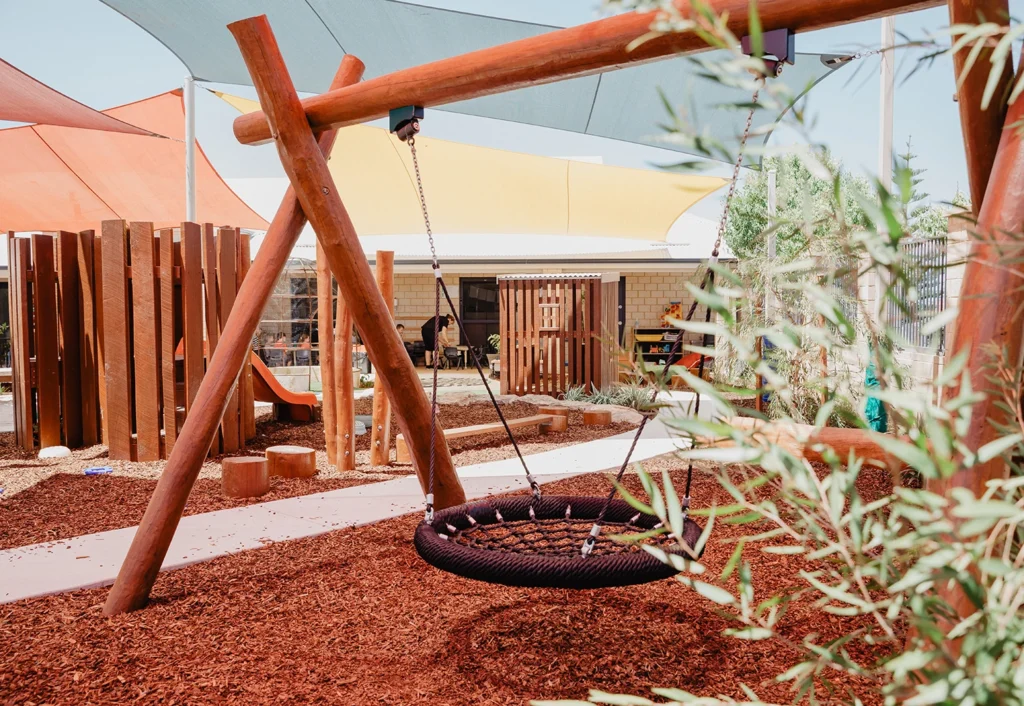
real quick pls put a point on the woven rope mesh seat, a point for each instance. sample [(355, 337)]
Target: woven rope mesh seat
[(505, 544)]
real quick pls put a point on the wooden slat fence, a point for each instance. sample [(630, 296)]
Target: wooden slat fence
[(557, 331), (107, 335)]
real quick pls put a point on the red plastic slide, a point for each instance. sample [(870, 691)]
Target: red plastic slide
[(288, 405)]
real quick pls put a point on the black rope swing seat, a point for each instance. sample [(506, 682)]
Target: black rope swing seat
[(549, 541), (523, 540)]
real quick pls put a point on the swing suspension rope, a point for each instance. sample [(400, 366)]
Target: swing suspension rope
[(407, 133)]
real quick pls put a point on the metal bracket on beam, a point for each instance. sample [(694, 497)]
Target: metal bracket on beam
[(778, 43), (405, 121)]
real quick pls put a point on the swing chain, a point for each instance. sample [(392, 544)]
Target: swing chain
[(738, 164), (411, 140), (407, 133)]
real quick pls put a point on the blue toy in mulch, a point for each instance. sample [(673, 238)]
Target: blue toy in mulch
[(98, 470), (874, 410)]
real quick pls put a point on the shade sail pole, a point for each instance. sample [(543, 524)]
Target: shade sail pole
[(189, 96), (153, 538)]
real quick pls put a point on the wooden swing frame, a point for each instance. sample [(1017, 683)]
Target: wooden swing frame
[(304, 133)]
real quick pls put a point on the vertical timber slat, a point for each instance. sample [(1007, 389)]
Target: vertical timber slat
[(89, 339), (192, 310), (70, 314), (226, 290), (212, 307), (21, 332), (45, 315), (147, 341), (247, 395), (503, 329), (168, 344), (117, 368)]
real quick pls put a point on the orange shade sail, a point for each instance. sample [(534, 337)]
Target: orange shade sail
[(62, 178), (26, 100)]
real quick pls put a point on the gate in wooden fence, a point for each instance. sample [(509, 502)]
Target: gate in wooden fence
[(108, 335), (558, 331)]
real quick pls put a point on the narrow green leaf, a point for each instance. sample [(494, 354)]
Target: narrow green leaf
[(601, 697), (998, 447), (707, 590), (752, 633)]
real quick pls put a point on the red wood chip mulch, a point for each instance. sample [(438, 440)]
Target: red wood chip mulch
[(69, 506), (354, 617)]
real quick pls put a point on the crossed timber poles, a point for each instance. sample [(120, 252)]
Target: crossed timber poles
[(304, 158), (995, 160)]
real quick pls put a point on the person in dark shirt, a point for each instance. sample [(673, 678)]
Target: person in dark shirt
[(443, 322)]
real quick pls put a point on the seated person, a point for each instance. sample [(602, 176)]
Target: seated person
[(427, 330), (302, 355)]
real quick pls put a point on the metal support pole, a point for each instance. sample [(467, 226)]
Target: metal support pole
[(190, 148), (888, 89), (770, 304)]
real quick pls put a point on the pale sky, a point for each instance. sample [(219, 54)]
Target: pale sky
[(91, 53)]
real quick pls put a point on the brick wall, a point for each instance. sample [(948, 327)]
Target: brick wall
[(415, 295), (647, 295)]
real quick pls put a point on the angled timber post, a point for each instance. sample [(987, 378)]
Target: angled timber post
[(991, 299), (316, 191), (152, 539), (981, 127)]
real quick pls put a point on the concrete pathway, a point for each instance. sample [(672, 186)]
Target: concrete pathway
[(93, 560)]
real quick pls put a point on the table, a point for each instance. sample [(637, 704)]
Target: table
[(463, 353)]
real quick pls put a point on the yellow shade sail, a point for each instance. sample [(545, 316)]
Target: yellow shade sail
[(481, 190)]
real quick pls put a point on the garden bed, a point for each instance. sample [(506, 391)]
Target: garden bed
[(355, 617), (57, 501)]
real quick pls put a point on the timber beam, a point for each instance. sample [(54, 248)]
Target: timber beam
[(587, 49)]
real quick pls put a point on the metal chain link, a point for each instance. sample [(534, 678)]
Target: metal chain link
[(429, 514), (423, 201), (724, 220)]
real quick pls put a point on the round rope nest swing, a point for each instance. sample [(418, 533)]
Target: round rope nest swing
[(549, 541), (535, 542)]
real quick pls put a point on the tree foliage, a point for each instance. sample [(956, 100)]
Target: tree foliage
[(804, 206), (898, 560)]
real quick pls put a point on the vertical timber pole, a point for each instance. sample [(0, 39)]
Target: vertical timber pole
[(189, 96), (325, 342), (152, 539), (380, 437), (344, 389), (307, 170)]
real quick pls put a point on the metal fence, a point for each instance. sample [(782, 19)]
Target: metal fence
[(924, 263)]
